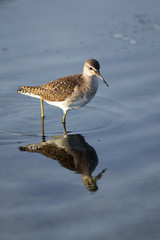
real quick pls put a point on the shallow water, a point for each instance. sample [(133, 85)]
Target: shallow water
[(44, 195)]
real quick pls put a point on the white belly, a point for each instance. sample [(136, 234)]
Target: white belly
[(76, 100)]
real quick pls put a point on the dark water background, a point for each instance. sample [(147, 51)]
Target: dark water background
[(42, 199)]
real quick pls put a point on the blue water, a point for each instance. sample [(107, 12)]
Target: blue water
[(42, 191)]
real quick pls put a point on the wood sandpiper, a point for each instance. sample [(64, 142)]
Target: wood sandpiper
[(67, 93)]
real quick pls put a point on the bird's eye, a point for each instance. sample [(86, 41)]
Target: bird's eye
[(91, 68)]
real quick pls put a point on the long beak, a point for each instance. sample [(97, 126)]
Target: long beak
[(99, 75)]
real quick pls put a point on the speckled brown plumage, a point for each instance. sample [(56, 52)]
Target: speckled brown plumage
[(73, 152), (57, 90), (52, 151)]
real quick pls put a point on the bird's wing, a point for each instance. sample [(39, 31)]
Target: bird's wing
[(59, 89)]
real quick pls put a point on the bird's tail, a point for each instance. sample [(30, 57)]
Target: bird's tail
[(30, 91), (31, 147)]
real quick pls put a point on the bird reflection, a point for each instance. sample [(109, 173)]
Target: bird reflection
[(73, 153)]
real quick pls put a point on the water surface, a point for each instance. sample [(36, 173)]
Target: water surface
[(114, 140)]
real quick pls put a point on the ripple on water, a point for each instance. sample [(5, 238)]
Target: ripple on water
[(96, 120), (101, 116)]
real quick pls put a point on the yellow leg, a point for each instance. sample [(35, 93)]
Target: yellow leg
[(64, 117), (64, 121), (42, 111), (64, 127)]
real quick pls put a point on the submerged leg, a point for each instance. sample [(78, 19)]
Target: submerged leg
[(42, 128), (42, 111)]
